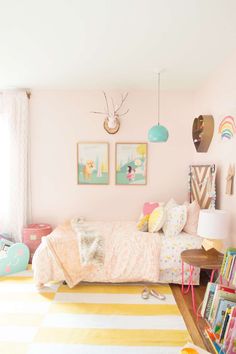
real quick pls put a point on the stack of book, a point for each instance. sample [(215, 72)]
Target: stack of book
[(228, 269), (219, 310)]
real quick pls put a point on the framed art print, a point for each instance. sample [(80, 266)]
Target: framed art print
[(92, 163), (131, 163)]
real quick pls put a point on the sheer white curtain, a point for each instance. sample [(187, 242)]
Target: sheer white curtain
[(14, 123)]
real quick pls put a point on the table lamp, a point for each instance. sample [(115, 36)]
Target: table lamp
[(213, 226)]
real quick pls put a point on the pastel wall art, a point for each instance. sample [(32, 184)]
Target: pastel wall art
[(92, 163), (131, 163), (227, 128)]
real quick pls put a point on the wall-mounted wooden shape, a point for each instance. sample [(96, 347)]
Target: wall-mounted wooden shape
[(202, 132), (230, 180)]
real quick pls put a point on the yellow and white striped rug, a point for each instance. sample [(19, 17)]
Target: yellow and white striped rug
[(88, 319)]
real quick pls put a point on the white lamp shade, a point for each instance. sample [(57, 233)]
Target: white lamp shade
[(213, 224)]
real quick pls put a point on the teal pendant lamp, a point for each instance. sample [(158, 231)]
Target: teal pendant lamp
[(158, 133)]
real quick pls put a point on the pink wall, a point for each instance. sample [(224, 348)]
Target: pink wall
[(218, 97), (59, 119)]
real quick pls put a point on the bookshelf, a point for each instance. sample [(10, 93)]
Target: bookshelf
[(217, 325)]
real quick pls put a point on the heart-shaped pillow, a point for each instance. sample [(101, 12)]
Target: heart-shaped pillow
[(148, 207)]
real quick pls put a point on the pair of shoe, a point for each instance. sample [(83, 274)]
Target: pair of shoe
[(147, 292)]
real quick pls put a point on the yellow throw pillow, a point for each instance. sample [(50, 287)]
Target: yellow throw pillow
[(142, 224), (156, 219)]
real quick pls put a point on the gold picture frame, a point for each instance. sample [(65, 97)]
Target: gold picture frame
[(93, 163), (131, 163)]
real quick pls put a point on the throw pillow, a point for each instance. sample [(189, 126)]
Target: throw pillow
[(148, 207), (156, 219), (142, 224), (193, 211), (175, 220), (170, 204)]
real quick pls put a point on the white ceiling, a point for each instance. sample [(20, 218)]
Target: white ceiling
[(94, 44)]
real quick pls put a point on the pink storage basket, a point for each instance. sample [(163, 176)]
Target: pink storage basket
[(32, 235)]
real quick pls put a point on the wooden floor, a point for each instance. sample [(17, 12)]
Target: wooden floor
[(195, 327)]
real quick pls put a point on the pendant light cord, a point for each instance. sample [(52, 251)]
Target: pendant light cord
[(158, 99)]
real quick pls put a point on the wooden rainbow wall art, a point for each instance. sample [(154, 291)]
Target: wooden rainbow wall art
[(227, 128)]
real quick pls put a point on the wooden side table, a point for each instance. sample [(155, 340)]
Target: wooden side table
[(200, 258)]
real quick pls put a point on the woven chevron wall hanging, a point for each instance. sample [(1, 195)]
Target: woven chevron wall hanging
[(202, 187)]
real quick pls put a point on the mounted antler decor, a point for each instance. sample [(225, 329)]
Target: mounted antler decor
[(112, 120)]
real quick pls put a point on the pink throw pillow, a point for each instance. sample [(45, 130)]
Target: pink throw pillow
[(148, 207), (193, 211)]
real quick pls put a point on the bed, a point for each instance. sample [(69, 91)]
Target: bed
[(130, 256)]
